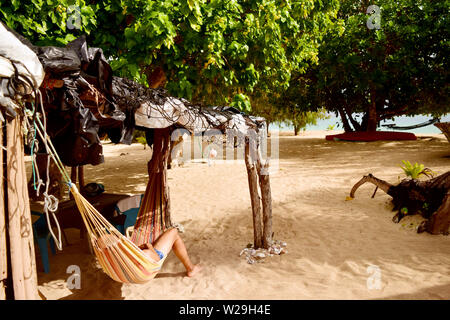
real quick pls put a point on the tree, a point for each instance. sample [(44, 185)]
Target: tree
[(205, 51), (49, 22), (211, 51), (399, 69)]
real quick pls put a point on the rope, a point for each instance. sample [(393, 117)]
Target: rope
[(50, 201)]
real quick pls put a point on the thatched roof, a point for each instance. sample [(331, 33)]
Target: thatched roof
[(155, 108)]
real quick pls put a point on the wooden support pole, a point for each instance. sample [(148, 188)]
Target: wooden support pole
[(254, 195), (3, 248), (154, 213), (81, 177), (266, 199), (73, 175), (21, 246), (166, 159)]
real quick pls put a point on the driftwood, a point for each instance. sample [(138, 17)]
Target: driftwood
[(429, 198)]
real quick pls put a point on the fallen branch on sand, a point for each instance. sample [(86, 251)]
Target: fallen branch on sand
[(429, 198)]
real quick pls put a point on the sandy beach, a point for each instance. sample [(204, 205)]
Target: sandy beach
[(331, 242)]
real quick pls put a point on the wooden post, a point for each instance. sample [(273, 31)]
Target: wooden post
[(20, 230), (154, 214), (266, 199), (254, 195), (81, 177), (3, 249), (166, 160)]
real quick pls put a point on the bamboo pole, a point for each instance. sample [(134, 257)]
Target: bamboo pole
[(3, 249), (254, 196), (23, 263)]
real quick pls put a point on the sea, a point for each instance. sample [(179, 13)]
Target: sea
[(398, 121)]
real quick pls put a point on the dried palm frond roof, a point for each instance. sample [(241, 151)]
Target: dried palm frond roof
[(155, 108)]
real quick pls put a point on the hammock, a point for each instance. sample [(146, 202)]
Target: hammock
[(120, 257), (420, 125)]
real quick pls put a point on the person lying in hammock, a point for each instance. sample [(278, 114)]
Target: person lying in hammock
[(171, 240)]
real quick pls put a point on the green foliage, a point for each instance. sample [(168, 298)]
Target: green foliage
[(213, 52), (241, 102), (400, 69), (413, 171), (219, 51), (276, 58), (49, 22), (331, 127)]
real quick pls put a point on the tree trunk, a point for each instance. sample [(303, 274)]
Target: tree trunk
[(355, 124), (266, 198), (254, 195), (344, 119), (23, 264), (156, 77), (296, 129), (372, 120)]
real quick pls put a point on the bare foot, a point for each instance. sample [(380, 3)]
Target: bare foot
[(195, 269)]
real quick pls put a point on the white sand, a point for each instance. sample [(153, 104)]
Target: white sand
[(331, 242)]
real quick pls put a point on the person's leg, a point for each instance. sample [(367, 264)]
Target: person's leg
[(172, 240)]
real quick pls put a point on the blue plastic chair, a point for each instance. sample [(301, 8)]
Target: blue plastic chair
[(131, 216), (41, 235)]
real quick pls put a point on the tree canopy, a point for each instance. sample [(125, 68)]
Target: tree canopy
[(275, 57), (216, 51), (399, 69)]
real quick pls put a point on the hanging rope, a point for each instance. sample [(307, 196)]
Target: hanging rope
[(50, 201)]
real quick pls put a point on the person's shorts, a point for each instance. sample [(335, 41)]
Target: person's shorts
[(160, 254)]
